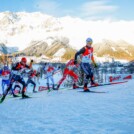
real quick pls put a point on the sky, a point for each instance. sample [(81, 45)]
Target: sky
[(85, 9)]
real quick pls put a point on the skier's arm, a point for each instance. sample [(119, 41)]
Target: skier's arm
[(31, 63), (16, 66), (93, 61), (81, 51)]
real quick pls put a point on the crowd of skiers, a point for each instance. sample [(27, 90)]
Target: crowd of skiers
[(14, 78)]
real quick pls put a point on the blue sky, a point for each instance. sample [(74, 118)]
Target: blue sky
[(86, 9)]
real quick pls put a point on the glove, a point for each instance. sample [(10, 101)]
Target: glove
[(59, 67), (95, 65), (31, 60), (75, 62)]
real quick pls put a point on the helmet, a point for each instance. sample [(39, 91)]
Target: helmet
[(23, 59), (89, 40)]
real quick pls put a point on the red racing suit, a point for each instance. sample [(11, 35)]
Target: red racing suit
[(69, 71)]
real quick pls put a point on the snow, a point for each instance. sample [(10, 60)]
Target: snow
[(12, 49), (107, 58), (126, 51), (71, 112), (60, 52), (113, 49)]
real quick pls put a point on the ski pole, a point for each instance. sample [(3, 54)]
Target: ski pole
[(52, 74)]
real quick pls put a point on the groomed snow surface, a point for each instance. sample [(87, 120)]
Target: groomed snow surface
[(71, 112)]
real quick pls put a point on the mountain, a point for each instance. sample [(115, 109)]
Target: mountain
[(20, 28), (59, 48), (120, 50), (3, 49), (117, 50), (7, 50), (38, 33), (11, 50)]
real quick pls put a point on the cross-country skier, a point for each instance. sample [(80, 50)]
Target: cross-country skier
[(38, 75), (69, 70), (16, 75), (87, 58), (31, 76), (49, 70), (5, 79)]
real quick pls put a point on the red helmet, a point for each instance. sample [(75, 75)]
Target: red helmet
[(23, 59)]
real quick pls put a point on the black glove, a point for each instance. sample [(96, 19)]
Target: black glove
[(95, 65), (59, 67), (31, 60), (75, 62)]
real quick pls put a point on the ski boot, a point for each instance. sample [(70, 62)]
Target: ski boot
[(75, 86), (24, 96), (34, 91), (86, 88), (53, 87), (2, 99), (57, 88), (94, 84), (14, 95)]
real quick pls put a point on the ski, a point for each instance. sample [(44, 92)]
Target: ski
[(80, 87), (92, 91), (107, 84), (29, 97)]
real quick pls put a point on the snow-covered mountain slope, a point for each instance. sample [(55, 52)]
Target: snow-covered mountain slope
[(7, 50), (20, 28), (71, 112), (58, 49), (118, 50), (3, 48), (12, 49)]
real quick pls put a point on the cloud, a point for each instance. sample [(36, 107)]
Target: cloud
[(97, 8), (48, 7)]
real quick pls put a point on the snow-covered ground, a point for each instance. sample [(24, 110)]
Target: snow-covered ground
[(71, 112)]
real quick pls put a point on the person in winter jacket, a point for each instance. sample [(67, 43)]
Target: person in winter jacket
[(69, 71), (86, 60), (16, 75)]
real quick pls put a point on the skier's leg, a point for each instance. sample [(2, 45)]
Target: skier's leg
[(3, 85), (21, 80), (61, 80), (85, 68), (91, 76), (75, 79), (48, 75), (5, 93), (65, 73), (52, 80), (34, 84)]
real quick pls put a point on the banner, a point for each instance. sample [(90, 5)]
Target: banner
[(119, 77)]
